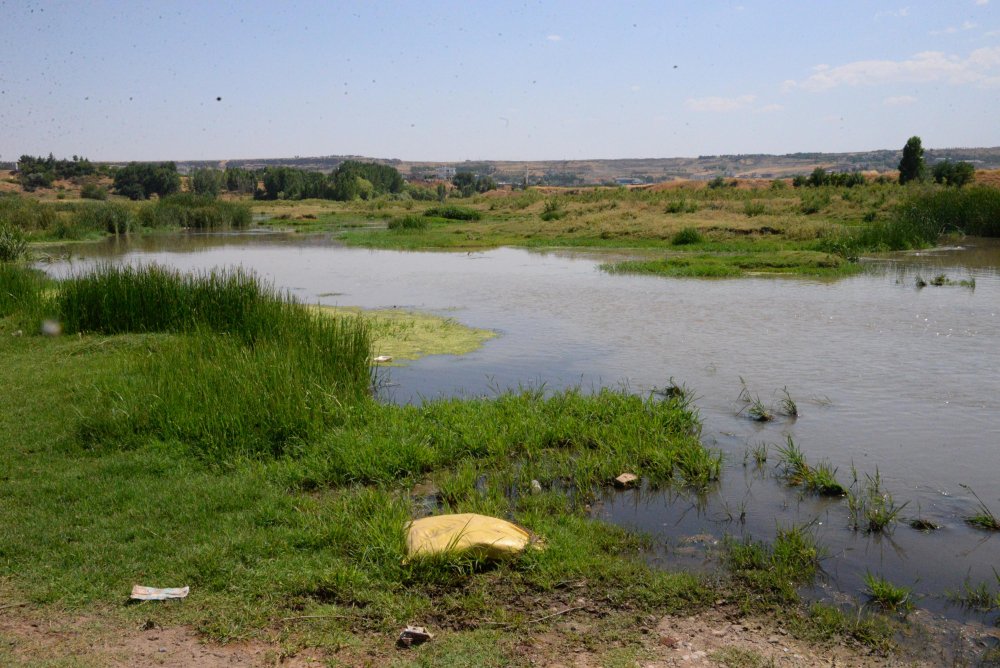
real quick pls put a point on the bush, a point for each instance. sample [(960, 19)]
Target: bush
[(681, 205), (93, 191), (453, 213), (754, 208), (688, 235), (552, 210)]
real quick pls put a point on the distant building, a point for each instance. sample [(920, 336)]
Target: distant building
[(629, 181), (445, 173)]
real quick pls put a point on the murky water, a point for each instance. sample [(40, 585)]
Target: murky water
[(887, 376)]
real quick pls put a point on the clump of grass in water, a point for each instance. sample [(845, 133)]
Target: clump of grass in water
[(871, 509), (979, 597), (984, 518), (820, 479), (788, 405), (886, 595), (758, 453)]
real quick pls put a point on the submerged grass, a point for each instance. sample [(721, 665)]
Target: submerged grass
[(983, 518)]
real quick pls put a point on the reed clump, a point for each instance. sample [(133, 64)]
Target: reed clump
[(408, 223), (196, 212), (871, 509)]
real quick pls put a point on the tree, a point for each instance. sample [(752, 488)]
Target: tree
[(954, 173), (140, 180), (911, 166), (206, 182)]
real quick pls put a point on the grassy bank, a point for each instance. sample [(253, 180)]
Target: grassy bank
[(221, 436)]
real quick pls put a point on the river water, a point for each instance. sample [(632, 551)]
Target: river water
[(888, 377)]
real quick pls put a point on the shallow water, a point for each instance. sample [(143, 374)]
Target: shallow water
[(887, 376)]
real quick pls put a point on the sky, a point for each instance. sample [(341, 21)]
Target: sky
[(500, 80)]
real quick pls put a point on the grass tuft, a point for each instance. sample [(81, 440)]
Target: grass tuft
[(886, 595), (871, 509), (983, 518)]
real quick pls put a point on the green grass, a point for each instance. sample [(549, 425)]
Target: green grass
[(820, 479), (687, 236), (408, 224), (727, 265), (886, 595), (13, 245), (453, 212), (872, 509), (983, 518), (772, 573)]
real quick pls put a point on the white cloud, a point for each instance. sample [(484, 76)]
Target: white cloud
[(893, 13), (635, 88), (981, 68), (554, 38), (899, 101), (770, 108), (719, 103), (951, 30), (982, 2)]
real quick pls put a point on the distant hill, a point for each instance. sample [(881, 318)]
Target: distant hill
[(638, 170)]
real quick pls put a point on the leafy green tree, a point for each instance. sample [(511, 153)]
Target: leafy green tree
[(468, 183), (206, 182), (240, 180), (911, 166), (348, 180), (954, 173), (140, 180)]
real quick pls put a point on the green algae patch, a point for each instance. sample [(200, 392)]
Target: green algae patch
[(409, 335)]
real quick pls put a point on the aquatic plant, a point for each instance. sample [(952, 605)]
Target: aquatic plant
[(820, 479), (775, 571), (886, 595), (871, 509), (983, 518), (788, 405), (977, 597)]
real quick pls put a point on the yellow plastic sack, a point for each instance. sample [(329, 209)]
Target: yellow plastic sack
[(485, 537)]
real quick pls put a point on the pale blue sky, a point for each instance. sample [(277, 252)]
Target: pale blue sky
[(494, 80)]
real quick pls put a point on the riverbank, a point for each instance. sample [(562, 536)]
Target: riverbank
[(295, 545)]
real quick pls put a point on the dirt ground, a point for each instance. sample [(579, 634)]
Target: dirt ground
[(716, 637)]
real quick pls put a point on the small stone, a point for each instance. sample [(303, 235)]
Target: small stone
[(774, 640), (718, 633), (536, 487), (626, 480), (668, 641)]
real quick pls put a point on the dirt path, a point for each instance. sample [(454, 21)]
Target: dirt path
[(716, 637)]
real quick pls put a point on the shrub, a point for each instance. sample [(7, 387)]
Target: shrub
[(453, 213), (681, 205), (688, 235), (552, 210), (93, 191), (754, 208), (27, 215)]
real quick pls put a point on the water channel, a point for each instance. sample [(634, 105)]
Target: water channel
[(888, 377)]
